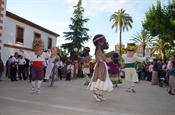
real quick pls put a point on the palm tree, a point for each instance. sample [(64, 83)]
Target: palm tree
[(121, 21), (160, 47), (144, 39)]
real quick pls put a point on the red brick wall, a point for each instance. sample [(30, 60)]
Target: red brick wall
[(1, 21)]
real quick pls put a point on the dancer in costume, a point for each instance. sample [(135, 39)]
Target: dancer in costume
[(130, 58), (85, 59), (37, 57), (114, 70), (52, 68), (171, 74), (100, 80)]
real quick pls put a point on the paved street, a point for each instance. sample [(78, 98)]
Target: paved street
[(72, 98)]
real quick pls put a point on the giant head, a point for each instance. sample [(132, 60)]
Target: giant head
[(38, 45), (100, 41), (131, 49)]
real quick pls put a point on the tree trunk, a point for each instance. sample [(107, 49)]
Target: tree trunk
[(144, 50), (163, 54), (120, 38)]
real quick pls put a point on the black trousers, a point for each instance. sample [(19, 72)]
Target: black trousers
[(13, 73), (68, 75), (159, 75), (149, 76), (21, 71), (60, 73)]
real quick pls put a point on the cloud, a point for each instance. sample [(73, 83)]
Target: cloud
[(135, 8)]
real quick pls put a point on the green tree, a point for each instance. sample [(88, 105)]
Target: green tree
[(121, 21), (160, 47), (144, 39), (160, 21), (78, 33)]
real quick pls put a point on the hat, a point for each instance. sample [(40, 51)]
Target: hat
[(87, 48), (131, 46)]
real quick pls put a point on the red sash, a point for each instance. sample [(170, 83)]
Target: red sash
[(37, 63)]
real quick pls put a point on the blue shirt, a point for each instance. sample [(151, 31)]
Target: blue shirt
[(171, 72)]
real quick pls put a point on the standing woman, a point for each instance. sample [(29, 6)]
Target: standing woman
[(114, 70), (154, 80), (100, 78), (171, 74), (85, 59), (1, 68), (52, 68)]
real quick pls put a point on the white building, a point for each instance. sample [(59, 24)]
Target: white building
[(18, 33)]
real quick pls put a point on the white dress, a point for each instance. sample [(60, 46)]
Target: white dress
[(130, 72)]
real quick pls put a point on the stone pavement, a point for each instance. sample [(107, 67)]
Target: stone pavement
[(72, 98)]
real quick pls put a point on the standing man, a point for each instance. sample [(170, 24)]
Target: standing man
[(130, 59), (13, 67), (21, 67)]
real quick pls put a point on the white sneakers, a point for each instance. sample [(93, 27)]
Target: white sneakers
[(129, 90), (38, 91), (98, 97), (33, 89), (101, 98)]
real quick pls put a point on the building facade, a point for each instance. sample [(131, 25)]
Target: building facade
[(2, 21), (18, 33), (117, 47)]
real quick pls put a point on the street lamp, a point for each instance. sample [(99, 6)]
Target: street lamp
[(75, 49), (74, 54)]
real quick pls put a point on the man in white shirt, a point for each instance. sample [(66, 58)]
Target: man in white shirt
[(21, 67), (13, 67)]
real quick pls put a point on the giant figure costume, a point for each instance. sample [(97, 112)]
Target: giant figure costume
[(100, 80), (130, 58), (37, 57), (52, 69)]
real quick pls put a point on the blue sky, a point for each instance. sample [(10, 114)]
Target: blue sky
[(55, 15)]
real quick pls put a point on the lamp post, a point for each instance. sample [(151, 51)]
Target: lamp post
[(74, 54)]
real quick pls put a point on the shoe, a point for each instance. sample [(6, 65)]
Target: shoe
[(51, 85), (32, 90), (171, 93), (133, 91), (38, 91), (101, 97), (85, 84), (128, 90), (96, 97)]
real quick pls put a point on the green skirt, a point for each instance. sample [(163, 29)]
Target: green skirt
[(115, 78)]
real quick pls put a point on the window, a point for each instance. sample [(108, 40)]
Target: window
[(37, 35), (19, 34), (49, 43)]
